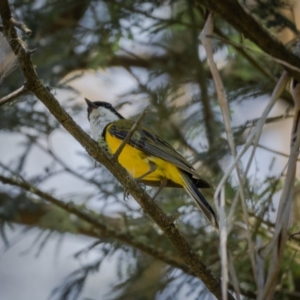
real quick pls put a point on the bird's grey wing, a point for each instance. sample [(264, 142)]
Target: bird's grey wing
[(152, 144)]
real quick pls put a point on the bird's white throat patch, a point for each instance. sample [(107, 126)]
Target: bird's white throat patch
[(99, 119)]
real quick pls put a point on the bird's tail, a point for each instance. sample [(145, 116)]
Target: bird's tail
[(201, 202)]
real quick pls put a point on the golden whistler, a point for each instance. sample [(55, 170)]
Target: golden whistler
[(146, 156)]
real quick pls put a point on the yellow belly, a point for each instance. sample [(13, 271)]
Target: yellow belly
[(137, 163)]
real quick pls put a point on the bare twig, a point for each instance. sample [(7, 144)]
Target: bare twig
[(21, 26), (131, 132), (223, 246), (240, 46), (253, 122), (293, 235), (260, 268), (256, 133), (234, 278), (274, 151), (219, 198), (231, 213), (11, 97)]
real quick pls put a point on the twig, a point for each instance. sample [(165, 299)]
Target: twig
[(260, 268), (255, 136), (231, 213), (274, 151), (21, 26), (131, 132), (234, 278), (223, 245), (219, 198), (9, 98), (280, 86), (253, 122), (239, 46), (68, 79)]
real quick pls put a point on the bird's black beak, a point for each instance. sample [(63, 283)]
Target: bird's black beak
[(91, 105)]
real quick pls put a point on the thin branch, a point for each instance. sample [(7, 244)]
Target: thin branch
[(260, 268), (274, 151), (234, 278), (21, 26), (223, 246), (253, 122), (11, 97), (96, 224), (219, 198), (256, 133), (131, 132), (240, 46)]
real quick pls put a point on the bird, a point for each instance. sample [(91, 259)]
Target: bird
[(146, 156)]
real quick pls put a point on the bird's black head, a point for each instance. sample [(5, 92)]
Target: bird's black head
[(95, 105)]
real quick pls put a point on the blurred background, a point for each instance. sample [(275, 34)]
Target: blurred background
[(134, 54)]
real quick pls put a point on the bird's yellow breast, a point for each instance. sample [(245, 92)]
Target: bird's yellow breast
[(137, 163)]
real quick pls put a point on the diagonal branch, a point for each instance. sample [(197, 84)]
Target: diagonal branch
[(21, 26), (256, 133), (12, 96), (130, 133)]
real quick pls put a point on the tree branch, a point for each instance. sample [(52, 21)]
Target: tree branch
[(21, 26), (131, 132), (12, 96)]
